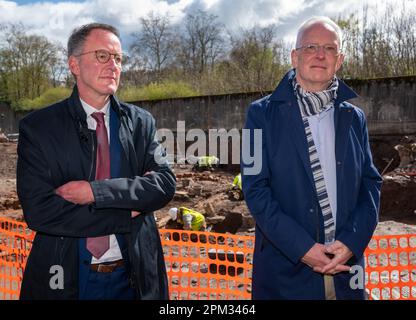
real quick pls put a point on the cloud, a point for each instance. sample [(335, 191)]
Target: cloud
[(56, 20)]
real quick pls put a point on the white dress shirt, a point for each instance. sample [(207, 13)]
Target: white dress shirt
[(113, 253), (323, 133)]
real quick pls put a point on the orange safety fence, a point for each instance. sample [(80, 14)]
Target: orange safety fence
[(15, 243), (391, 267), (205, 265)]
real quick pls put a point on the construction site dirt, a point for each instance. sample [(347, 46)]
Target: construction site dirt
[(210, 193)]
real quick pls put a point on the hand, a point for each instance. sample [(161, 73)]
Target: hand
[(134, 214), (78, 192), (315, 257), (341, 255)]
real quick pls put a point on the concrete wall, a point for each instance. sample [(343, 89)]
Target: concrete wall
[(390, 106), (9, 120), (389, 103)]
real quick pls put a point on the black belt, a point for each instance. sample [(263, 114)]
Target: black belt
[(106, 266)]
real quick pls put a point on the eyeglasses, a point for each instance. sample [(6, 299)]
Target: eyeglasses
[(329, 49), (103, 56)]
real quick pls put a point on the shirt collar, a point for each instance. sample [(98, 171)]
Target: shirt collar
[(90, 109)]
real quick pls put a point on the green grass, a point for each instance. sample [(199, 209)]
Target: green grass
[(165, 90), (154, 91), (47, 98)]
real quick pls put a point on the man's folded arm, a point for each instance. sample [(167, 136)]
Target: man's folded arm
[(44, 210), (146, 193)]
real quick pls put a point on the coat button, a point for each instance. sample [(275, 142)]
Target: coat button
[(339, 163), (311, 210)]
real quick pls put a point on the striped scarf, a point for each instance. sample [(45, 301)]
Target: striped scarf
[(311, 103)]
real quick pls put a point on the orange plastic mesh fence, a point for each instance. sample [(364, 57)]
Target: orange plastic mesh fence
[(203, 265), (210, 266), (391, 267), (15, 243)]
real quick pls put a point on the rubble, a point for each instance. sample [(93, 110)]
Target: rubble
[(3, 138), (407, 153), (399, 185), (209, 209), (13, 214), (207, 192), (8, 194), (235, 195), (398, 201)]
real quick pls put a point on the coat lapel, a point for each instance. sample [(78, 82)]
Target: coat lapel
[(298, 136), (86, 137), (343, 119), (126, 135)]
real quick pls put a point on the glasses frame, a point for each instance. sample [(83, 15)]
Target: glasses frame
[(318, 47), (97, 52)]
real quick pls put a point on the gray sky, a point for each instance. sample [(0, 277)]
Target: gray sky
[(55, 19)]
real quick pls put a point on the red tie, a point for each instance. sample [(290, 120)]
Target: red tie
[(99, 245)]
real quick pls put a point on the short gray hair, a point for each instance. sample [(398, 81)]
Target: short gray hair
[(79, 35), (318, 20)]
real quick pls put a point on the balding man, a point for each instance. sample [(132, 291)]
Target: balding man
[(316, 198)]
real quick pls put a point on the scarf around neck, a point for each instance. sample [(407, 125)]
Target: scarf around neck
[(311, 103)]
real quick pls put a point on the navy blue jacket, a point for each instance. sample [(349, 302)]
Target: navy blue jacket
[(283, 201), (55, 147)]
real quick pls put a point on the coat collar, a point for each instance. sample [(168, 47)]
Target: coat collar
[(284, 91), (78, 113)]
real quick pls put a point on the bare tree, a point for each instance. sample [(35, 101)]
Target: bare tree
[(57, 66), (201, 43), (382, 45), (404, 41), (154, 43), (256, 59)]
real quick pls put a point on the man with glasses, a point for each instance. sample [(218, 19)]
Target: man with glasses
[(316, 198), (90, 173)]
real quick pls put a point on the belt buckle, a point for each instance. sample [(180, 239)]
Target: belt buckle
[(107, 267), (101, 267)]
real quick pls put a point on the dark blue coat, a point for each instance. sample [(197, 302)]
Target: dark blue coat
[(283, 201), (55, 147)]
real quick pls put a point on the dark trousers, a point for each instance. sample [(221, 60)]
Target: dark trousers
[(108, 286)]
